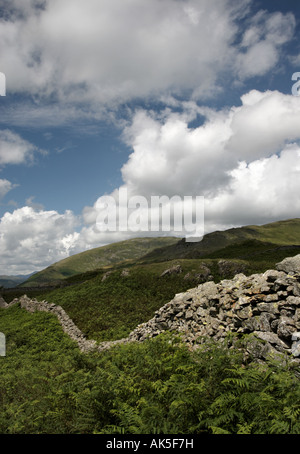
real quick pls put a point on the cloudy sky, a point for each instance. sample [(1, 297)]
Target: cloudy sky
[(161, 97)]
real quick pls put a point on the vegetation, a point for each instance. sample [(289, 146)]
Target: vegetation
[(157, 387)]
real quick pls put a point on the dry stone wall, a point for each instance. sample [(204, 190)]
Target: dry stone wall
[(265, 305)]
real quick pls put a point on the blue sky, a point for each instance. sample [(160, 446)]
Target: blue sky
[(185, 97)]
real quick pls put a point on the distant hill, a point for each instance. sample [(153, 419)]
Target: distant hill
[(243, 243), (105, 256), (237, 243), (12, 281)]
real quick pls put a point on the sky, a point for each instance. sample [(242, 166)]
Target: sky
[(158, 97)]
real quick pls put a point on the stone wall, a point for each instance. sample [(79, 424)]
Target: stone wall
[(265, 305)]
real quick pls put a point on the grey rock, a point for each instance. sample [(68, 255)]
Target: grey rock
[(3, 303), (296, 344), (290, 265), (286, 328), (173, 270)]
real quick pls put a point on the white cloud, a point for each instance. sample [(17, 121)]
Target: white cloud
[(169, 156), (5, 187), (14, 149), (263, 124), (262, 43), (31, 240), (111, 52), (263, 191), (244, 160)]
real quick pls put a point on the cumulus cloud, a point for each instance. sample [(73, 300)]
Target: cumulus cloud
[(31, 239), (93, 56), (245, 160), (113, 52), (169, 156), (263, 191)]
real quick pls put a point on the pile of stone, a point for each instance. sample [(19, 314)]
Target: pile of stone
[(266, 305)]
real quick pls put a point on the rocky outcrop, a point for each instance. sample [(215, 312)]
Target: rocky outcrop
[(204, 274), (229, 268), (266, 306), (176, 269), (3, 303)]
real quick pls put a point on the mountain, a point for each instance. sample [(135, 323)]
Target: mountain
[(239, 243), (12, 281), (105, 256), (244, 243)]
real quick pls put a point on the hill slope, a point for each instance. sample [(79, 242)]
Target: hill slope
[(244, 240), (236, 243), (112, 254), (9, 281)]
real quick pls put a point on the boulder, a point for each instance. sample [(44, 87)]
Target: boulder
[(290, 265), (3, 303), (176, 269)]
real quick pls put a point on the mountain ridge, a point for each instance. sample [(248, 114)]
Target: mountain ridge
[(241, 243)]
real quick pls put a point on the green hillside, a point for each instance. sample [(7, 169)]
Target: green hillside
[(266, 237), (112, 254), (236, 243)]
